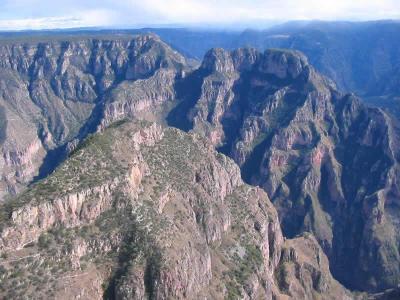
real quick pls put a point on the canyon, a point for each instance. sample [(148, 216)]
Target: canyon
[(136, 172)]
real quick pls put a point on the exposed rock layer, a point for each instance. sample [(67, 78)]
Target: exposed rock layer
[(54, 91), (175, 222), (329, 164)]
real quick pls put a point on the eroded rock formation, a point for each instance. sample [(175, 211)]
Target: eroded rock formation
[(176, 222), (162, 212), (329, 164), (53, 92)]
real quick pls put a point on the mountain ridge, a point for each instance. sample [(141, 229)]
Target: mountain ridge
[(309, 146), (52, 89), (134, 230), (296, 136)]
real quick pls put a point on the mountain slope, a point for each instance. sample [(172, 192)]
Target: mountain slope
[(63, 97), (53, 91), (329, 164), (356, 55), (140, 211), (361, 57)]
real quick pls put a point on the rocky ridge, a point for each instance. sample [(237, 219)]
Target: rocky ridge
[(191, 229), (52, 92), (329, 163)]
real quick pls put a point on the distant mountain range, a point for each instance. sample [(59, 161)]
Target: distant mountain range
[(361, 57)]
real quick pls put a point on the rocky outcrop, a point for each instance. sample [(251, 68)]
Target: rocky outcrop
[(18, 166), (73, 207), (175, 221), (141, 99), (30, 221), (328, 163), (53, 92), (304, 268), (359, 56), (312, 149), (21, 150)]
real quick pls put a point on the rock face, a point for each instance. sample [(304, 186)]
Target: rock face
[(139, 211), (329, 164), (53, 92), (155, 212), (359, 56), (304, 268)]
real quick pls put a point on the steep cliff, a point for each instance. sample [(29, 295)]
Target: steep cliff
[(140, 211), (329, 164), (53, 92), (360, 57)]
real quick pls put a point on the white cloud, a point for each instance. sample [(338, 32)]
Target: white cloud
[(40, 23), (90, 18), (37, 14), (190, 11)]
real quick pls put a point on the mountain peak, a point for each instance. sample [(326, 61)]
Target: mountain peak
[(283, 63), (278, 62), (218, 60)]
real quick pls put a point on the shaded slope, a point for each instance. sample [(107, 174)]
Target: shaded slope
[(329, 164), (53, 92)]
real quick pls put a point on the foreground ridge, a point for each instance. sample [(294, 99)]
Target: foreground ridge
[(144, 211)]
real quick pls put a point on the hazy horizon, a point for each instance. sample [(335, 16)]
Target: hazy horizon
[(46, 14)]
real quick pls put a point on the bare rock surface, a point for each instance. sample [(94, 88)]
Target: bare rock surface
[(53, 91), (140, 211), (328, 163)]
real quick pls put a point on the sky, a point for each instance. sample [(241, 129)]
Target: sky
[(50, 14)]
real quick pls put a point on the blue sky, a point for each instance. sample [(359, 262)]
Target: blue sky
[(39, 14)]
